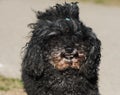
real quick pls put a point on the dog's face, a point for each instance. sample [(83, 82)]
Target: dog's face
[(67, 51)]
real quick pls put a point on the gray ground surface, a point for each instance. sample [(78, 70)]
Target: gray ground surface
[(105, 21)]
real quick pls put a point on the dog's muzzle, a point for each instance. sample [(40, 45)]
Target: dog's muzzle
[(69, 58)]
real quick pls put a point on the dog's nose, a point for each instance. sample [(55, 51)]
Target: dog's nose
[(69, 50)]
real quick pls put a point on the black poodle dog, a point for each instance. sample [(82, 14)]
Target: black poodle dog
[(62, 56)]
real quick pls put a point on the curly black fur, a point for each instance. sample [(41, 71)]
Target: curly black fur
[(60, 23)]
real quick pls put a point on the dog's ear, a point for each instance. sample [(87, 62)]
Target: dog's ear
[(33, 62), (93, 61)]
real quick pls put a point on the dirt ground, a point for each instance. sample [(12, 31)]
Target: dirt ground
[(13, 92)]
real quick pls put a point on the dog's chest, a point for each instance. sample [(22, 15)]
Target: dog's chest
[(65, 86)]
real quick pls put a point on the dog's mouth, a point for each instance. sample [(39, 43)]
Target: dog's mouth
[(63, 60)]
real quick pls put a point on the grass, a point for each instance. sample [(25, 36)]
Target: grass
[(94, 1), (105, 2), (9, 83)]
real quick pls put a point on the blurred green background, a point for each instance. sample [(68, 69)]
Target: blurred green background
[(105, 2)]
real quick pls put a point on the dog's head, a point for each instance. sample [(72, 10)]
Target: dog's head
[(67, 50), (61, 40)]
